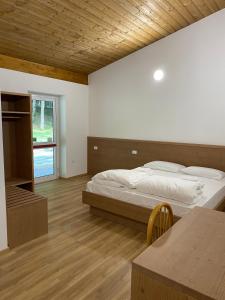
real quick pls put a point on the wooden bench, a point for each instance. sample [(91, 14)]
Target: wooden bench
[(27, 215)]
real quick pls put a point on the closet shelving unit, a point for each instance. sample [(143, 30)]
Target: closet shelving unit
[(17, 139), (27, 215)]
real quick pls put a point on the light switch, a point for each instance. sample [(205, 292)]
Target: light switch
[(134, 152), (95, 148)]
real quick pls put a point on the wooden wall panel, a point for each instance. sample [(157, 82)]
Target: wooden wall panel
[(43, 70), (117, 153)]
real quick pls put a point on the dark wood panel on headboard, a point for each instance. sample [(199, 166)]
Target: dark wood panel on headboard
[(117, 153)]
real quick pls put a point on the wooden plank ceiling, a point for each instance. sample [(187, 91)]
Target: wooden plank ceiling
[(85, 35)]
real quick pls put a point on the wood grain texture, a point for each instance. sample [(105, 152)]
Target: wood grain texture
[(82, 257), (17, 138), (118, 219), (129, 214), (189, 258), (116, 154), (146, 288), (82, 35), (27, 216), (42, 70), (117, 207)]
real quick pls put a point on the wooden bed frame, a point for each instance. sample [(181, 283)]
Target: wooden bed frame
[(122, 212), (102, 159)]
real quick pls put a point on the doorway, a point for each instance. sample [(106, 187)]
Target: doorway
[(45, 133)]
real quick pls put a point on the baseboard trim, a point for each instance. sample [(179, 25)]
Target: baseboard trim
[(4, 251), (76, 176)]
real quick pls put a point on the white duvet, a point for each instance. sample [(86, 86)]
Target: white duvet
[(120, 177), (186, 190), (183, 190)]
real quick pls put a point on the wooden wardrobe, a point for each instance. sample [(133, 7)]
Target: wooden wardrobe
[(26, 212)]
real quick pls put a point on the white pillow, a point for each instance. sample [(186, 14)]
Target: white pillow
[(164, 166), (204, 172)]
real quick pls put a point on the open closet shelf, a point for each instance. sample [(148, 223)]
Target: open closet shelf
[(13, 115), (27, 213), (17, 181), (9, 112)]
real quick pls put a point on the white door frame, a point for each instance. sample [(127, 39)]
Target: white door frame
[(55, 99)]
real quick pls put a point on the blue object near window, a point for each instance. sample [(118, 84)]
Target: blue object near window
[(43, 162)]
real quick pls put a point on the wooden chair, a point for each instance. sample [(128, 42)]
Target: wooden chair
[(160, 220)]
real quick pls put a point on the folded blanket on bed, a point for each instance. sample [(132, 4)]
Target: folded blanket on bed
[(181, 190), (128, 178), (109, 183)]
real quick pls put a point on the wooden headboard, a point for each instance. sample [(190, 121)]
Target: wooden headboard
[(117, 154)]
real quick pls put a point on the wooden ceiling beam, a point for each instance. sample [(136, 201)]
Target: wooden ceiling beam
[(16, 64)]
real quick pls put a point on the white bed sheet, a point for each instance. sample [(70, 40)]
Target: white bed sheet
[(213, 194)]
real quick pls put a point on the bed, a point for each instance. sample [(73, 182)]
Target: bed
[(132, 208), (136, 206)]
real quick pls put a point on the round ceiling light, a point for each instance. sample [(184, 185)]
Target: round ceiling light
[(158, 75)]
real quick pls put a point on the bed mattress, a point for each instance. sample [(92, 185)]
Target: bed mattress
[(214, 194)]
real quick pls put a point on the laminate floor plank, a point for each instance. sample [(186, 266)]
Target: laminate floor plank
[(83, 257)]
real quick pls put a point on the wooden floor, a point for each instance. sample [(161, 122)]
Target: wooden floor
[(82, 257)]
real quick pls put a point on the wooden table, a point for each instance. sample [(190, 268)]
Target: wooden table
[(187, 262)]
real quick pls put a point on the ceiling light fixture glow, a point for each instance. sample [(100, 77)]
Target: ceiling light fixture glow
[(158, 75)]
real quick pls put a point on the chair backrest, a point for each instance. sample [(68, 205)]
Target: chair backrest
[(160, 220)]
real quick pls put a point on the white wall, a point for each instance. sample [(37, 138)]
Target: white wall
[(74, 119), (187, 106), (74, 125)]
